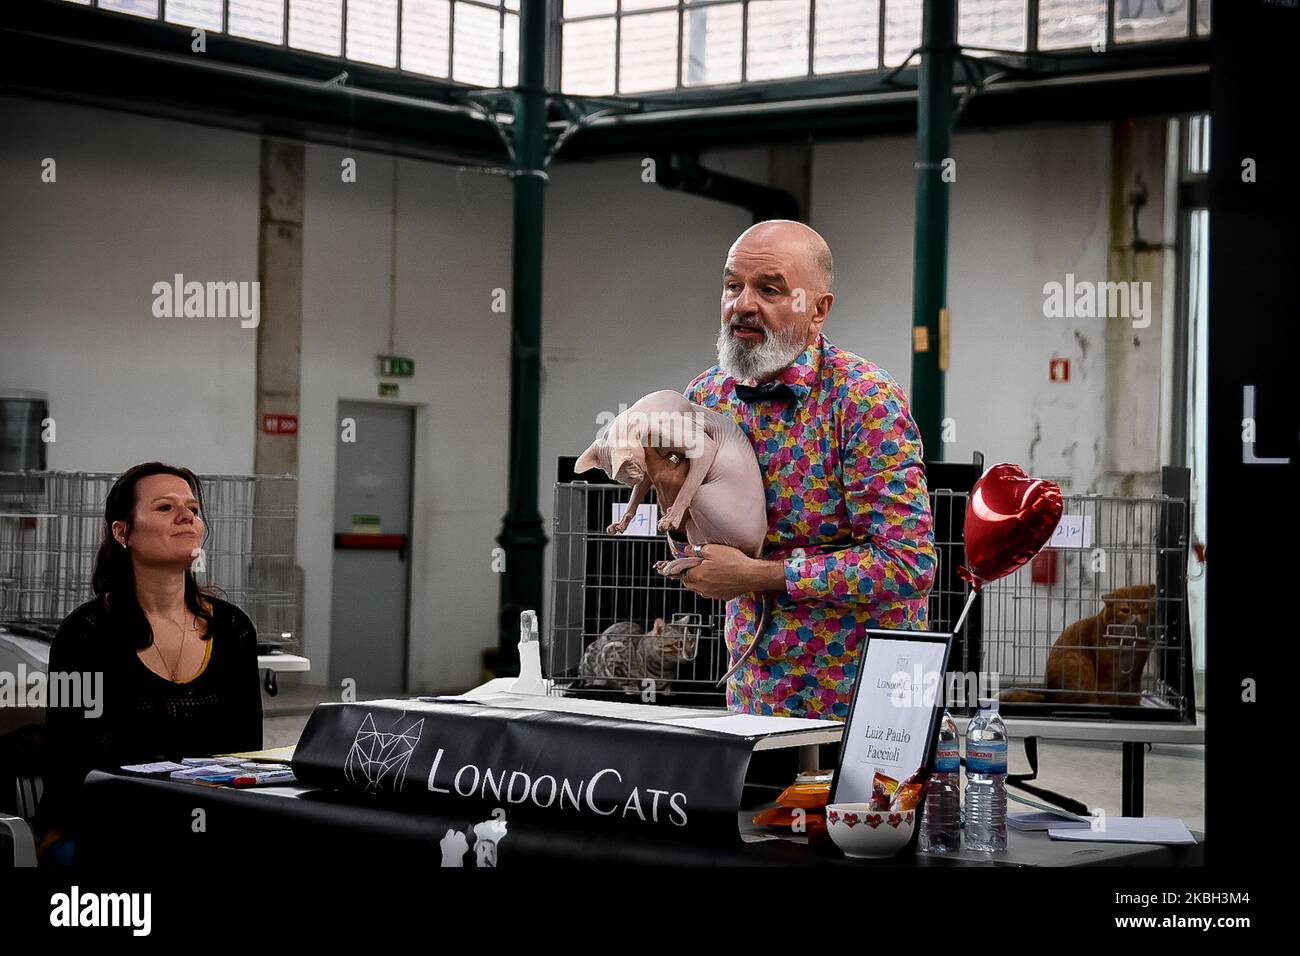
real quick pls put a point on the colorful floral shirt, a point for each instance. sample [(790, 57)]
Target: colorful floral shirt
[(849, 515)]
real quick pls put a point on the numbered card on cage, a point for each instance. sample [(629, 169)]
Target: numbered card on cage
[(645, 523)]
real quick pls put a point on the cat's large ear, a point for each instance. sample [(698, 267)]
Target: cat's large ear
[(592, 457), (659, 626)]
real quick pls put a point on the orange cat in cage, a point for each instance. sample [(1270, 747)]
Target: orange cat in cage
[(1088, 666)]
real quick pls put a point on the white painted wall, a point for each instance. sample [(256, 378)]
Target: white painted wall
[(135, 201), (451, 254), (1026, 208), (631, 305)]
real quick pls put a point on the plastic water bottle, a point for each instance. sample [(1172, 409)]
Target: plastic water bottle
[(941, 821), (986, 779)]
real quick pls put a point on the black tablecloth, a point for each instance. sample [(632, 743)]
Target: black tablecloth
[(150, 823)]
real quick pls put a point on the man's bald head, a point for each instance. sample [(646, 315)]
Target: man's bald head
[(785, 238), (776, 293)]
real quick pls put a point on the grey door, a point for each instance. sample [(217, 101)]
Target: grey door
[(372, 524)]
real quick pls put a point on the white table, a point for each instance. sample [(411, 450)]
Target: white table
[(280, 662), (1132, 735)]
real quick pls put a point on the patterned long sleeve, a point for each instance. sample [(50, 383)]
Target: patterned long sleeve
[(893, 556), (849, 517)]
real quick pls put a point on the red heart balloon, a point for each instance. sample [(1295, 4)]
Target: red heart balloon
[(1009, 518)]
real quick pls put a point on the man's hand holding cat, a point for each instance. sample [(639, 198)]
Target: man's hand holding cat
[(725, 572)]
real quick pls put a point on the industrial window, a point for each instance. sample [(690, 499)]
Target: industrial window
[(642, 46), (645, 46), (475, 42)]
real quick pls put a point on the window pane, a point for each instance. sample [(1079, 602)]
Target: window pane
[(845, 35), (587, 62), (316, 25), (476, 49), (1198, 144), (510, 69), (711, 46), (426, 33), (1136, 20), (582, 8), (257, 20), (372, 31), (195, 13), (648, 52), (995, 23), (778, 39), (1203, 17), (139, 8), (902, 30), (1065, 24), (646, 5)]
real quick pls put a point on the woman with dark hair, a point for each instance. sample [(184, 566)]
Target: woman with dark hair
[(178, 665)]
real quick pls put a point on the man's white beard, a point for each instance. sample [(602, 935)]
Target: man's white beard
[(775, 352)]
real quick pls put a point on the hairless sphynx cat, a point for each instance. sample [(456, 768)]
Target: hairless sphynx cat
[(719, 499)]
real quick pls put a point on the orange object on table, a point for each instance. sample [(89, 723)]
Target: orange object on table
[(786, 817), (809, 796)]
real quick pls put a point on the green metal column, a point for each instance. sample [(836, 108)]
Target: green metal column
[(522, 536), (930, 269)]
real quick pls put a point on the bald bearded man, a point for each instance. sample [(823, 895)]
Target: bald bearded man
[(849, 543)]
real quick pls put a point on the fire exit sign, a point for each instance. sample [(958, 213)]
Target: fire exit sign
[(396, 366)]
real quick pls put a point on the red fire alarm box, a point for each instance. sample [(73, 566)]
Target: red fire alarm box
[(280, 424), (1042, 569), (1059, 370)]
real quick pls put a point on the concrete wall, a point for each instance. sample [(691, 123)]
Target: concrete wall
[(631, 300)]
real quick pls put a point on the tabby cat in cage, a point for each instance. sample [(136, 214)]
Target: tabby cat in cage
[(626, 655)]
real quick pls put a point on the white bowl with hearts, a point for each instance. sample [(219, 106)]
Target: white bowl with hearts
[(869, 834)]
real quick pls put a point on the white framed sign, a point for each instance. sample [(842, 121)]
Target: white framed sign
[(896, 706)]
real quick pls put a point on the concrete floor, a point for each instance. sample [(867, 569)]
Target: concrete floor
[(1090, 773)]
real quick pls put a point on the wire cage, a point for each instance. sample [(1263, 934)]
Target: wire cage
[(618, 626), (1095, 626), (50, 528), (1138, 665)]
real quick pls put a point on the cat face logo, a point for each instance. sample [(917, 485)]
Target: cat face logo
[(377, 760)]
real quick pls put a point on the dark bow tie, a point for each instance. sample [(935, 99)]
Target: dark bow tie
[(769, 392)]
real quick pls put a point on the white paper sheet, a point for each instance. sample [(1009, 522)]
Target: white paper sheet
[(739, 725), (1131, 830), (625, 710), (749, 725)]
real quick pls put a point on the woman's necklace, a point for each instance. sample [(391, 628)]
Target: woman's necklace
[(171, 671)]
